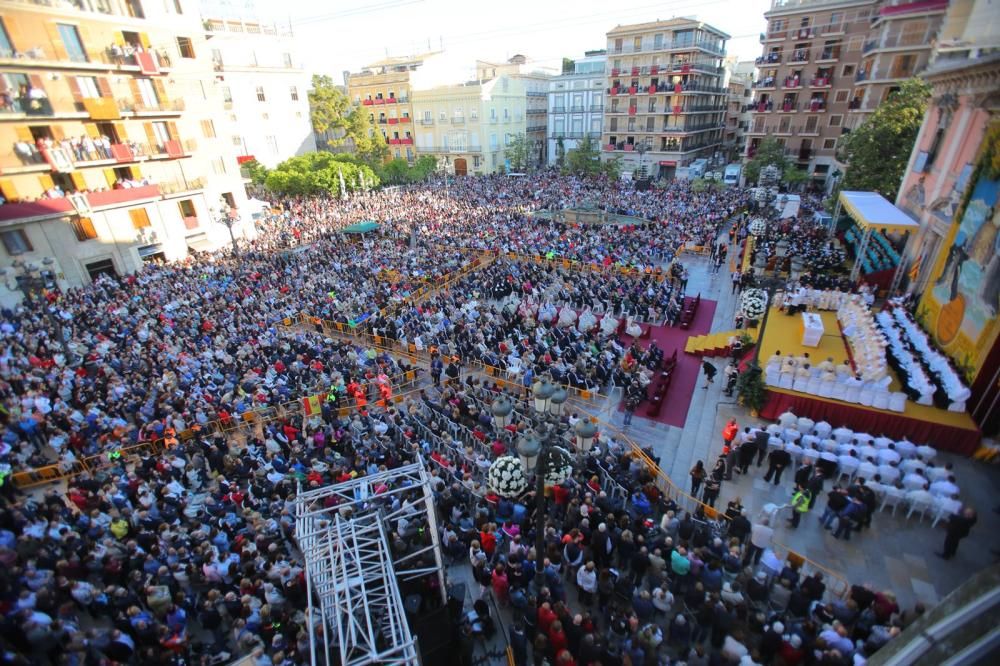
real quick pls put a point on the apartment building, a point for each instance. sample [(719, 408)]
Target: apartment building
[(739, 78), (383, 89), (468, 126), (576, 105), (898, 46), (536, 87), (263, 87), (826, 64), (666, 102), (109, 152)]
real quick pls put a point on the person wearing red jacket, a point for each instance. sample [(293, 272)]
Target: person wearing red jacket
[(557, 637), (546, 616)]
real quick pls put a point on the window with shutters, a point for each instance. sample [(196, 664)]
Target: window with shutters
[(188, 213), (295, 94), (6, 47), (83, 227), (16, 242), (71, 41), (208, 129), (260, 94), (140, 218), (185, 47), (147, 93), (88, 87)]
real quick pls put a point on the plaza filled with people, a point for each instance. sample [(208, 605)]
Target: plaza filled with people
[(189, 384)]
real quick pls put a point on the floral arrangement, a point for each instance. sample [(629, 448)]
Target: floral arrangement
[(753, 302), (757, 227), (561, 461), (506, 477)]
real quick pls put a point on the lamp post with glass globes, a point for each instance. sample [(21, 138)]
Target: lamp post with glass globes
[(539, 454), (224, 216), (768, 283)]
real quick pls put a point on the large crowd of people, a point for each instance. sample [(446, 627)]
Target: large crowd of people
[(186, 554)]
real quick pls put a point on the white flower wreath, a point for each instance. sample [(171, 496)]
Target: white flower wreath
[(562, 472), (753, 303), (506, 477), (757, 227)]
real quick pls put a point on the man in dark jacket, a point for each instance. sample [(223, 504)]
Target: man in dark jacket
[(958, 528), (778, 460)]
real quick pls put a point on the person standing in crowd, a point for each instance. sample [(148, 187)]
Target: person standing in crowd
[(710, 371), (778, 460), (698, 474), (958, 527), (800, 505)]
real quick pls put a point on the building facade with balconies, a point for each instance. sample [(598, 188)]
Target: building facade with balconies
[(383, 90), (108, 149), (467, 127), (264, 88), (827, 64), (739, 77), (576, 105), (665, 95), (536, 90), (897, 47)]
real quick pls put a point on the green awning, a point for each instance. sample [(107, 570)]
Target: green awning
[(360, 228)]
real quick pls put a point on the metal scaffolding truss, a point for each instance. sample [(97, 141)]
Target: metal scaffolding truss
[(353, 572)]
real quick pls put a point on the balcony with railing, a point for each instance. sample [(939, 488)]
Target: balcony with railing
[(140, 108), (829, 54), (824, 81), (792, 82), (766, 83), (458, 120), (769, 59), (799, 56)]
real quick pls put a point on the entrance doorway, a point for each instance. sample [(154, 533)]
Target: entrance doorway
[(102, 267), (461, 166)]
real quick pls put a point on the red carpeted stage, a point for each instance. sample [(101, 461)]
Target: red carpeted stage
[(943, 436), (922, 424), (685, 378)]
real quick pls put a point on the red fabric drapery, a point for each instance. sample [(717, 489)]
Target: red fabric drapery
[(897, 426)]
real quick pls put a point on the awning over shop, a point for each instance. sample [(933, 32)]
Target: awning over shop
[(360, 228), (200, 244), (871, 210)]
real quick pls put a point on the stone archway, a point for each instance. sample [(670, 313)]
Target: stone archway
[(461, 166)]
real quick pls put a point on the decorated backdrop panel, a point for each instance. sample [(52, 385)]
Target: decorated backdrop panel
[(960, 306)]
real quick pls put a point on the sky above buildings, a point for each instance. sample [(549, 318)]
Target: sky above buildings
[(333, 37)]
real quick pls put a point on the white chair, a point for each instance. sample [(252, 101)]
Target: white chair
[(823, 429), (800, 384), (843, 435), (883, 442), (839, 391), (772, 376), (788, 420), (848, 466), (806, 424), (826, 389), (829, 445), (893, 497), (809, 455), (897, 401), (881, 400), (863, 439), (921, 506), (927, 453), (945, 507), (774, 443), (853, 394), (774, 430), (867, 397), (813, 386), (786, 380)]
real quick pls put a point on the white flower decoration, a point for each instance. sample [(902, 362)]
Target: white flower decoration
[(757, 227), (506, 477), (753, 303)]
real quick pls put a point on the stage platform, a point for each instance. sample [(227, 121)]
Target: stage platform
[(949, 431)]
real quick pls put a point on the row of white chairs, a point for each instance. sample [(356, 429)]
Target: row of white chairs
[(867, 396)]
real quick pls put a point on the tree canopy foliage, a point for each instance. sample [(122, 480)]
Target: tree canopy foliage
[(320, 173), (518, 152), (877, 152), (338, 123), (398, 172), (585, 160), (772, 151)]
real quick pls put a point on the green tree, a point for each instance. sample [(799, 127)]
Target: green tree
[(255, 171), (320, 173), (369, 144), (770, 151), (518, 152), (568, 65), (794, 176), (876, 153), (560, 151), (329, 111), (584, 160)]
